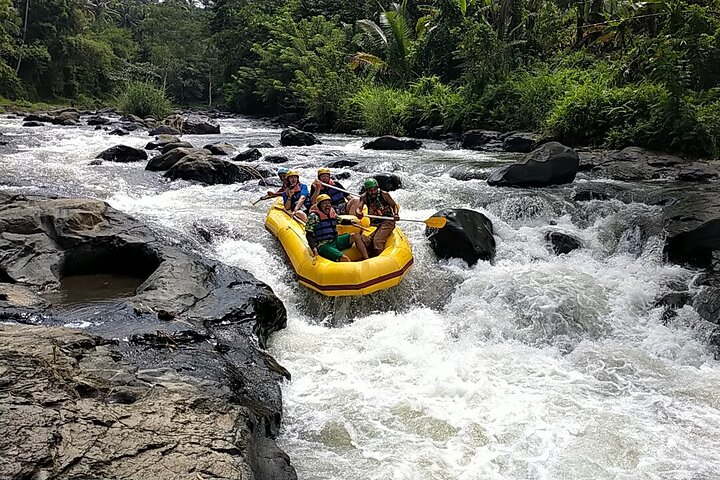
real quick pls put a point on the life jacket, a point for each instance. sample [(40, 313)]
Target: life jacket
[(377, 205), (326, 228), (336, 196), (298, 192)]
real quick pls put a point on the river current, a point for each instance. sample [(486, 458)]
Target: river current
[(536, 366)]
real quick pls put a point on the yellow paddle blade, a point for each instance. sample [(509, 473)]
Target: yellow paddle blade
[(436, 222)]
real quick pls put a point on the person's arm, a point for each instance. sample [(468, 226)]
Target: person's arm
[(301, 201), (314, 192), (360, 205), (392, 204)]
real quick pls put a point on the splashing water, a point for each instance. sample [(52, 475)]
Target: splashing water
[(536, 366)]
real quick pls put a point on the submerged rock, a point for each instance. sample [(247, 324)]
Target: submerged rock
[(562, 243), (167, 160), (467, 235)]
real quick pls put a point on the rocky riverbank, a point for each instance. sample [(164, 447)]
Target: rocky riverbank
[(172, 381)]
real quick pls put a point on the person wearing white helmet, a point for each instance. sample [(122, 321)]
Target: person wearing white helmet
[(294, 195), (282, 174), (322, 236), (338, 198)]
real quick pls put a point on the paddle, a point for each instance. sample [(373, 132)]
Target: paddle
[(432, 222), (264, 197)]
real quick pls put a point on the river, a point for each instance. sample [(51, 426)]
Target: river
[(536, 366)]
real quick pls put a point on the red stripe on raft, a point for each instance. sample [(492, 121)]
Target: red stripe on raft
[(358, 286)]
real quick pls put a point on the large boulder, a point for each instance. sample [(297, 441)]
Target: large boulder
[(388, 181), (221, 148), (692, 224), (562, 243), (160, 141), (123, 153), (467, 235), (67, 117), (478, 139), (165, 161), (637, 163), (249, 155), (522, 142), (193, 125), (551, 164), (292, 137), (392, 143), (171, 380), (205, 169), (171, 146)]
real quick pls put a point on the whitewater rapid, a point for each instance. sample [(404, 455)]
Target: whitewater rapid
[(533, 367)]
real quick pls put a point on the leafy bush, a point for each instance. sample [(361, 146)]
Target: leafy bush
[(647, 115), (430, 103), (143, 100), (379, 110), (10, 84)]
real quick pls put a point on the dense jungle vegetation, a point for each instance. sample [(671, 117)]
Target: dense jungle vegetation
[(586, 72)]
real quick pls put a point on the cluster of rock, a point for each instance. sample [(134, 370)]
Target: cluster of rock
[(171, 381)]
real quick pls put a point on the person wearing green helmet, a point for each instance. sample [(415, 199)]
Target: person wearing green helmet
[(379, 202), (322, 236)]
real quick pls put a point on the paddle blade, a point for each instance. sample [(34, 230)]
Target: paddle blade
[(436, 222)]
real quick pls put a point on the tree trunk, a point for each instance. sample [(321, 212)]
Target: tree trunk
[(27, 10), (210, 85)]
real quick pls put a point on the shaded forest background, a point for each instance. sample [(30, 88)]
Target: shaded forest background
[(592, 72)]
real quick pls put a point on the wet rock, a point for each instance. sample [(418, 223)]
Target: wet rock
[(341, 176), (119, 131), (210, 229), (39, 117), (167, 160), (72, 405), (388, 181), (467, 235), (465, 173), (123, 153), (33, 124), (551, 164), (97, 120), (276, 159), (698, 172), (249, 155), (707, 301), (292, 137), (95, 162), (478, 139), (589, 159), (342, 164), (261, 145), (160, 141), (17, 296), (67, 117), (165, 130), (222, 148), (359, 132), (562, 243), (692, 223), (130, 118), (207, 170), (636, 163), (392, 143), (523, 142), (588, 191), (170, 146)]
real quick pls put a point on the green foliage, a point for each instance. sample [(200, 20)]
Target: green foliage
[(379, 110), (143, 100), (648, 115), (430, 103)]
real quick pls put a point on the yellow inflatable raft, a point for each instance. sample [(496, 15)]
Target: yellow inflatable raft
[(340, 278)]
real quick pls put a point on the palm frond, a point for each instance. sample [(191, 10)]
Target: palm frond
[(362, 59), (373, 32)]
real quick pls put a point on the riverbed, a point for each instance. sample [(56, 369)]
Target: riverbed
[(534, 366)]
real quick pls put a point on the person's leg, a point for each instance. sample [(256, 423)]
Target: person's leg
[(367, 241), (381, 235), (358, 241), (330, 251)]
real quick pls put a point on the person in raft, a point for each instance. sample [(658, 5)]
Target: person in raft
[(379, 202), (282, 175), (322, 236), (294, 195), (337, 197)]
